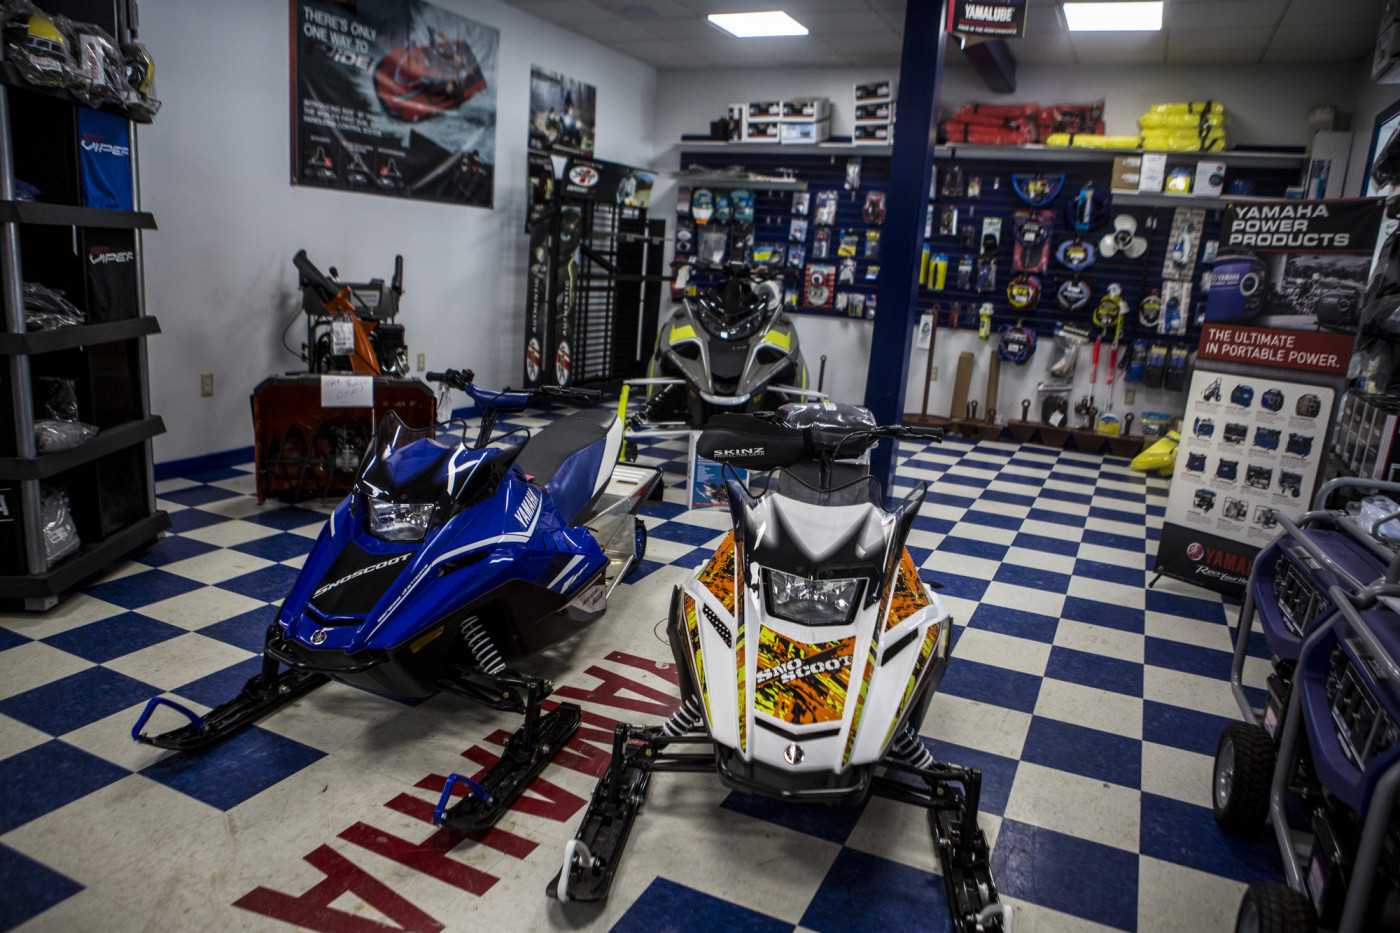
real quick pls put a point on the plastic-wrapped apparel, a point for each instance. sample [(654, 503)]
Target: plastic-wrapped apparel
[(47, 309), (56, 424), (60, 534)]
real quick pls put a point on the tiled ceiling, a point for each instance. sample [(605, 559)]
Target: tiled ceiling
[(674, 34)]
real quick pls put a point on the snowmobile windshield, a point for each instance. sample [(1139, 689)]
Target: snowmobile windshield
[(823, 534), (732, 310), (825, 415), (433, 466)]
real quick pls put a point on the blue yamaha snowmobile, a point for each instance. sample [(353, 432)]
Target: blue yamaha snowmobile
[(447, 562)]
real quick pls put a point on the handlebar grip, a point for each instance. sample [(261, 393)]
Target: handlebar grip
[(435, 377), (396, 283), (313, 276)]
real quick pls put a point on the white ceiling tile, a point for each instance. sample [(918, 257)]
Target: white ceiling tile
[(564, 12), (859, 23), (1128, 48), (1224, 15), (1338, 37), (1304, 55), (642, 10), (656, 52), (1216, 46), (1043, 50), (611, 30), (1310, 12)]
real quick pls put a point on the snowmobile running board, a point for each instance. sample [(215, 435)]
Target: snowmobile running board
[(592, 858), (264, 693)]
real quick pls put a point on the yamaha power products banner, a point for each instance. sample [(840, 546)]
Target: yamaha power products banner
[(393, 97), (1276, 340)]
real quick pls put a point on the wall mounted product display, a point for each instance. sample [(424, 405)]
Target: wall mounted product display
[(553, 548), (1276, 427), (563, 113), (393, 97), (76, 486), (594, 282)]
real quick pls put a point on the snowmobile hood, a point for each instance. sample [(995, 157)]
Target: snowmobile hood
[(730, 363), (446, 473), (811, 696)]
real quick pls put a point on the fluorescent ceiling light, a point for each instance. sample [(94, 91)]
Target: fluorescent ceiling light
[(755, 25), (1114, 17)]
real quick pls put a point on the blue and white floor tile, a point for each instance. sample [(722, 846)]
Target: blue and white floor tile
[(1091, 704)]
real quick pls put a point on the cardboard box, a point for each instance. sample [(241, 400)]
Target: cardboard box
[(1328, 155), (1210, 179), (806, 110), (1127, 173), (872, 133), (875, 90), (1153, 173), (762, 131), (877, 112), (816, 131), (765, 109)]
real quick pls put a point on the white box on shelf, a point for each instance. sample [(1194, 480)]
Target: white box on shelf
[(765, 109), (761, 131), (880, 111), (818, 131), (1328, 155), (806, 110), (1210, 179), (872, 133), (874, 90)]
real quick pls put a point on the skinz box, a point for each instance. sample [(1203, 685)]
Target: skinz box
[(762, 131), (871, 133), (806, 110), (765, 109), (875, 90)]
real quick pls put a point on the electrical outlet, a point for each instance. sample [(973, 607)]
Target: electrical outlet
[(206, 384), (1128, 396), (422, 362), (933, 374)]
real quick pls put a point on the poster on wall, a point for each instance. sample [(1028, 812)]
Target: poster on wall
[(393, 97), (563, 113), (1279, 325)]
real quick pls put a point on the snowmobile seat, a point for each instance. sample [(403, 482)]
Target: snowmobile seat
[(572, 458)]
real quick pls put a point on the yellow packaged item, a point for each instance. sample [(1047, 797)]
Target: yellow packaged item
[(1197, 107), (1090, 141), (1179, 121)]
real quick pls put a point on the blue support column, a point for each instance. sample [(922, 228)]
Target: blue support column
[(902, 241)]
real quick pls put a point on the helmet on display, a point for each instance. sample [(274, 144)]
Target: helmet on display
[(41, 50), (140, 69)]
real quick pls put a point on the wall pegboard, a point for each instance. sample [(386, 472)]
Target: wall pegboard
[(826, 171)]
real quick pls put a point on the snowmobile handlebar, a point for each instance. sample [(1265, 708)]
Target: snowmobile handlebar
[(464, 381), (743, 271)]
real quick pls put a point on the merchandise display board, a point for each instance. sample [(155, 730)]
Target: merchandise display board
[(396, 98), (1271, 364)]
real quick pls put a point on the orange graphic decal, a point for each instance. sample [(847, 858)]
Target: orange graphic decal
[(925, 652), (909, 595), (802, 683), (718, 574), (692, 626)]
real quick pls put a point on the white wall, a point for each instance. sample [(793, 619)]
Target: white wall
[(215, 172), (1267, 105)]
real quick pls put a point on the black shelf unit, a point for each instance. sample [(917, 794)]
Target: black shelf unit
[(108, 479)]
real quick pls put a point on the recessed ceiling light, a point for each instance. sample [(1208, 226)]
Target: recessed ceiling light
[(755, 25), (1114, 16)]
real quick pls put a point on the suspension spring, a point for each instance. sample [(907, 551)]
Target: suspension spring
[(481, 646)]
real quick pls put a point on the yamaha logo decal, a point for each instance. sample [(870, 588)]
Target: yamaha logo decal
[(1195, 551), (318, 636), (794, 754)]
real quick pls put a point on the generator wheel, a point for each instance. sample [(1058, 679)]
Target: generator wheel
[(1244, 769), (639, 530), (1269, 907)]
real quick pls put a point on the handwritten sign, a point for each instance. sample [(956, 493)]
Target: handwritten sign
[(347, 391)]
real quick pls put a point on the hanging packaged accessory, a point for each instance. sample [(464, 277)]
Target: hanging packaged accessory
[(1109, 311), (953, 183), (986, 276), (1054, 404), (1156, 366), (1123, 239), (1176, 369), (1087, 210), (1037, 190), (1150, 310), (1074, 294), (1075, 254), (742, 199), (1016, 344), (1023, 292), (1137, 364), (964, 273), (1030, 252), (984, 320), (1068, 340), (702, 205), (724, 208)]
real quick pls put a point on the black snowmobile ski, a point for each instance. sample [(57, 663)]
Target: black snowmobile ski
[(265, 692), (950, 794), (527, 751)]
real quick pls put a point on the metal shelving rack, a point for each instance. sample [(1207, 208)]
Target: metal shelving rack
[(109, 529)]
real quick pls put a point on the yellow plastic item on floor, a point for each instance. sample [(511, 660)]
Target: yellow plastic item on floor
[(1196, 106), (1161, 456), (1090, 141)]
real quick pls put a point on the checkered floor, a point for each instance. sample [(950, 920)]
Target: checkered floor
[(1091, 703)]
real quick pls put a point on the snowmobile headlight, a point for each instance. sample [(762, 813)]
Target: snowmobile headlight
[(812, 602), (399, 521)]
